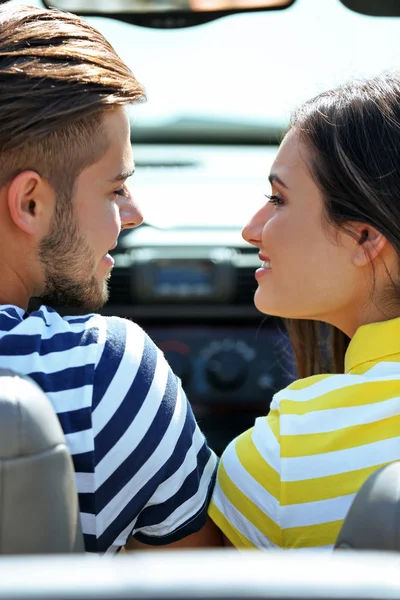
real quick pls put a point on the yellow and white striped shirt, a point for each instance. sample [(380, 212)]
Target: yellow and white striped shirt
[(289, 481)]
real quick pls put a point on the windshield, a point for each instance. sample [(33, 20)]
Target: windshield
[(222, 93), (250, 69), (247, 70)]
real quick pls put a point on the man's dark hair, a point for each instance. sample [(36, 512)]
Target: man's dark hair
[(58, 75)]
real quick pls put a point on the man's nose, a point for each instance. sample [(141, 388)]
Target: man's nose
[(130, 213)]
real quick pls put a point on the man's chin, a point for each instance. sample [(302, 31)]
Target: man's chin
[(74, 302)]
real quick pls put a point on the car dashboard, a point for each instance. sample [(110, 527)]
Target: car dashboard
[(187, 277)]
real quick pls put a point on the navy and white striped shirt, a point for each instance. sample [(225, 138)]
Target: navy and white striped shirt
[(142, 465)]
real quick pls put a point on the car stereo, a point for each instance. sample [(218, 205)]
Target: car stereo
[(195, 275)]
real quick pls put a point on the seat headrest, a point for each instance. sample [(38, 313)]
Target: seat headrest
[(39, 511), (28, 423), (373, 521)]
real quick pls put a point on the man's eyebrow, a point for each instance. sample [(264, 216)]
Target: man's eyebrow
[(124, 174), (274, 178)]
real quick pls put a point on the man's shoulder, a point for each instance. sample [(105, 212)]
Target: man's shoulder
[(45, 333), (45, 318)]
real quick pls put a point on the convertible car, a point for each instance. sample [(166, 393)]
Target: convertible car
[(187, 277)]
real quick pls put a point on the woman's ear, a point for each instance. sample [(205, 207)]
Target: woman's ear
[(369, 244)]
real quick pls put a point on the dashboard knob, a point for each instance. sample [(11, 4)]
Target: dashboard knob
[(226, 370)]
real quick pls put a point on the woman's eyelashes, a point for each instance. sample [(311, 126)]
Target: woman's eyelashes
[(275, 199)]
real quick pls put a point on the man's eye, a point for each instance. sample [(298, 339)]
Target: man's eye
[(122, 191)]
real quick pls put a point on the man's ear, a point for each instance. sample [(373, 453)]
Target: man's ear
[(27, 197), (369, 244)]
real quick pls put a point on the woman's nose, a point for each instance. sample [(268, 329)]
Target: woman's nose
[(130, 213), (252, 231)]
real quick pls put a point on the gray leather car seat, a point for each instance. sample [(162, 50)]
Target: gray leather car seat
[(373, 521), (39, 510)]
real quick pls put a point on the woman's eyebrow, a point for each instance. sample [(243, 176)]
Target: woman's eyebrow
[(273, 177)]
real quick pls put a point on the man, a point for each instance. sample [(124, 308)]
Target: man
[(144, 472)]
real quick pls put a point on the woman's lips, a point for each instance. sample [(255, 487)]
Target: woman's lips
[(265, 267)]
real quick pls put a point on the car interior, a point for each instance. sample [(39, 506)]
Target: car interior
[(221, 77)]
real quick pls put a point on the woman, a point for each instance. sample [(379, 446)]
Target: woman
[(329, 244)]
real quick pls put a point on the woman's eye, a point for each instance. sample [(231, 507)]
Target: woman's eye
[(275, 199)]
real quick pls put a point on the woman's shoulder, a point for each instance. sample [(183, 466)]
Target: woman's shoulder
[(305, 382), (301, 386), (310, 391)]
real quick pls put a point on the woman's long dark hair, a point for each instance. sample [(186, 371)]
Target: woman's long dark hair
[(353, 135)]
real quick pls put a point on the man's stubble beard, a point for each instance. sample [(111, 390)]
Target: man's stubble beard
[(69, 265)]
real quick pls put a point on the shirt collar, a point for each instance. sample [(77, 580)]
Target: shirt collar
[(373, 342)]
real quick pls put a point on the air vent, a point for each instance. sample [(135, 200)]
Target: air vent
[(245, 262)]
